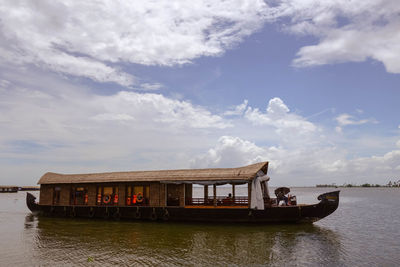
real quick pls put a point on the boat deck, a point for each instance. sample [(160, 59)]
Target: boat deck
[(215, 207)]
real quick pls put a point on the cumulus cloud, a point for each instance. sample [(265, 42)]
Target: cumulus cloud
[(279, 116), (238, 110), (230, 151), (70, 124), (235, 151), (89, 39), (57, 126), (299, 166), (57, 115), (347, 30), (159, 109)]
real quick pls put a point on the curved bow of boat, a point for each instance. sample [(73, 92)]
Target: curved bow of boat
[(31, 203), (329, 202)]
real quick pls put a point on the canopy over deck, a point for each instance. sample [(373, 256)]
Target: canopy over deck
[(197, 176)]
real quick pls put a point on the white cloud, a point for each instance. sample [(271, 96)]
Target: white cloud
[(55, 126), (279, 116), (346, 119), (88, 39), (347, 30), (230, 152), (68, 114), (151, 86), (4, 83), (305, 165), (113, 117), (96, 39), (238, 110), (159, 109)]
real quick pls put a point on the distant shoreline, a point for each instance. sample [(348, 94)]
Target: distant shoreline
[(362, 185)]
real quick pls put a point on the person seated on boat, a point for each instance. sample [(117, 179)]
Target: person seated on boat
[(281, 197), (285, 199), (228, 199)]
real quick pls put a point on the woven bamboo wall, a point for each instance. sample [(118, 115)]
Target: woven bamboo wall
[(46, 195), (65, 194), (92, 194), (121, 194), (181, 192), (162, 194), (155, 194)]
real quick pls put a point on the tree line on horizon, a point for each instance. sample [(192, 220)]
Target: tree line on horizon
[(389, 184)]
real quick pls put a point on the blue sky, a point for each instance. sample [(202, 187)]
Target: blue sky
[(312, 87)]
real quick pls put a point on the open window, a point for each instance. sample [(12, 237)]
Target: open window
[(79, 195), (107, 195), (137, 195), (174, 192)]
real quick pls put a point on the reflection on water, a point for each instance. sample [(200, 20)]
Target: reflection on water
[(363, 231), (66, 241)]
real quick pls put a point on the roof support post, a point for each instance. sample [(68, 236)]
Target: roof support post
[(249, 193), (205, 194), (215, 194), (233, 191), (182, 197)]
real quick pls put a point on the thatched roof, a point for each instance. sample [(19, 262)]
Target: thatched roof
[(218, 175)]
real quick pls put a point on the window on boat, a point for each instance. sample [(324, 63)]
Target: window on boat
[(174, 192), (56, 195), (79, 195), (107, 195), (137, 195)]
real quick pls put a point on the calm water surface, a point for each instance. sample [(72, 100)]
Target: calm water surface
[(365, 230)]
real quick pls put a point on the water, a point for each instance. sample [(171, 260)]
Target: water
[(365, 230)]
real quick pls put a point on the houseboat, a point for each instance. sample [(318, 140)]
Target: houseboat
[(167, 195), (8, 189)]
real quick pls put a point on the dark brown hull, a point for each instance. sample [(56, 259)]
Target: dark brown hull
[(284, 214)]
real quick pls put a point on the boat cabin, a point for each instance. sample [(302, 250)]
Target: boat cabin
[(164, 188)]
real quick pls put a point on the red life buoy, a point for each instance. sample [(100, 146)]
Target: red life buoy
[(107, 199), (139, 197)]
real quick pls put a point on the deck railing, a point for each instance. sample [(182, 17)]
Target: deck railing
[(220, 201)]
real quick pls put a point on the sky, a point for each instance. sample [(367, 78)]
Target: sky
[(311, 86)]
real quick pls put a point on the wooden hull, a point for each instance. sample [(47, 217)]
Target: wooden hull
[(283, 214)]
